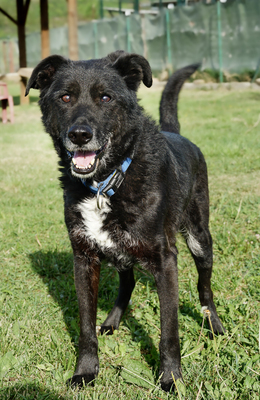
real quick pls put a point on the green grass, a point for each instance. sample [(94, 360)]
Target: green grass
[(39, 314)]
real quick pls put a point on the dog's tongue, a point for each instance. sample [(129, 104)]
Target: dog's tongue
[(83, 158)]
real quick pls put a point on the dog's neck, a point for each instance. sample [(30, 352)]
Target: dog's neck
[(109, 186)]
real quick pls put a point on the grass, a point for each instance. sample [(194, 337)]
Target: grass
[(39, 314)]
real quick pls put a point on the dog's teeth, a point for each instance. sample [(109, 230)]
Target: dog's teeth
[(81, 167)]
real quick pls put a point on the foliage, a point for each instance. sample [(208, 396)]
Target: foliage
[(58, 15), (39, 313)]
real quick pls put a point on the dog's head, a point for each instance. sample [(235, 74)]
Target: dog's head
[(90, 107)]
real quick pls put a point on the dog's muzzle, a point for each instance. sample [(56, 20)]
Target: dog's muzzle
[(85, 162)]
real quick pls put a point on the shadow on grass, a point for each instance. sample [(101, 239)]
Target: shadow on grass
[(32, 391), (56, 270)]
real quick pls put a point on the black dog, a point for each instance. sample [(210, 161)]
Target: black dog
[(128, 189)]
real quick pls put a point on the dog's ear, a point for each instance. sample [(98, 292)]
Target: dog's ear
[(133, 68), (114, 56), (43, 73)]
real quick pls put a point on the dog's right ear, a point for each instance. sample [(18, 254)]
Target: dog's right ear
[(44, 72)]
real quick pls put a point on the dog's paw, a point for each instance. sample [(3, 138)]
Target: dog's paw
[(107, 330), (168, 386), (215, 324), (167, 382), (81, 380)]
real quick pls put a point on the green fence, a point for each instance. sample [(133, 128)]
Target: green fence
[(218, 35)]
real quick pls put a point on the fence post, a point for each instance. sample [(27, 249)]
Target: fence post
[(45, 35), (95, 28), (11, 57), (219, 42), (73, 30), (256, 71), (128, 41), (101, 9), (6, 66), (168, 41), (136, 6)]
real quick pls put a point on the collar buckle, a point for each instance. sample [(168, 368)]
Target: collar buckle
[(108, 187)]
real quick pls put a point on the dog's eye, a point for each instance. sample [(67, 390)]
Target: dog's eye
[(105, 99), (66, 98)]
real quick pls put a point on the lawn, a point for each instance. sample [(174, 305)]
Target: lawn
[(39, 313)]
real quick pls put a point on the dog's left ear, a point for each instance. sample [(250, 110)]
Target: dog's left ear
[(134, 69)]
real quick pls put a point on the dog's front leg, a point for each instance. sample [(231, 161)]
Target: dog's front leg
[(166, 278), (86, 271)]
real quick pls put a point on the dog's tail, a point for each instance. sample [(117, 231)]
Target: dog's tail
[(168, 104)]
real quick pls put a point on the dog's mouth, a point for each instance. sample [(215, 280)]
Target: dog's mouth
[(85, 162)]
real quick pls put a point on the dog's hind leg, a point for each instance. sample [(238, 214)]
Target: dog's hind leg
[(199, 242), (200, 246), (127, 284)]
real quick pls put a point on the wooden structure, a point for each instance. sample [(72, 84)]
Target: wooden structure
[(73, 30), (21, 12), (6, 98), (22, 7), (45, 36)]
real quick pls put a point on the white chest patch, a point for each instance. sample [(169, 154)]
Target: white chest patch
[(93, 219)]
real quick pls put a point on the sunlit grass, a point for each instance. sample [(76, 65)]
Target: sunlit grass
[(39, 315)]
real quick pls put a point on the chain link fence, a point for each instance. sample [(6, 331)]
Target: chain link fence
[(225, 38)]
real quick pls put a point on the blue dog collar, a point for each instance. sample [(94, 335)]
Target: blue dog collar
[(109, 186)]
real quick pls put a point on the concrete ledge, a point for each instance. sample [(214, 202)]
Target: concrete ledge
[(10, 77), (211, 85), (16, 76), (25, 72)]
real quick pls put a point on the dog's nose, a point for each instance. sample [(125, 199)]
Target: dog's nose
[(80, 134)]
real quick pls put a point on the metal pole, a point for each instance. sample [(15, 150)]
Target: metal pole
[(128, 34), (256, 71), (96, 39), (168, 41), (136, 6), (219, 42), (101, 9)]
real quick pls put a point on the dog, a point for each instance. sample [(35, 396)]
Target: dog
[(129, 187)]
